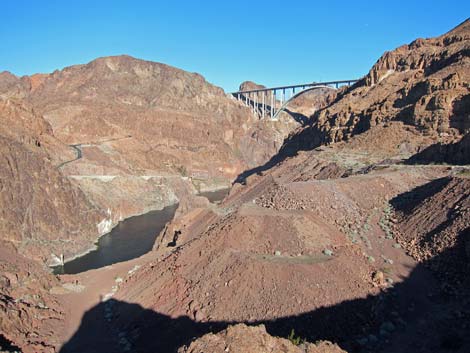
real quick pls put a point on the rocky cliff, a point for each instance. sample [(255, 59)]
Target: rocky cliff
[(423, 84), (42, 213)]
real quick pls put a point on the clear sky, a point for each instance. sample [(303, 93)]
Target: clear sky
[(271, 42)]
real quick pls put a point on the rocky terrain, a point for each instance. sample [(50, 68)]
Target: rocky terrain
[(43, 214), (127, 136), (353, 237), (423, 84), (31, 318), (92, 144), (242, 338)]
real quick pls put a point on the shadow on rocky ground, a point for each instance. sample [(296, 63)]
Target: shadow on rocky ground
[(453, 153), (293, 144), (413, 315), (6, 345), (406, 201)]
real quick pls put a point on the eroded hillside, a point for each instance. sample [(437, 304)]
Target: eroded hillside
[(43, 214)]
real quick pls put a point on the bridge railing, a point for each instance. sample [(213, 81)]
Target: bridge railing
[(265, 101)]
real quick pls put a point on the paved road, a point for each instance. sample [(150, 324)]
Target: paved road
[(79, 155), (78, 148)]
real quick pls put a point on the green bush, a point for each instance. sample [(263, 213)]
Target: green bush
[(295, 340)]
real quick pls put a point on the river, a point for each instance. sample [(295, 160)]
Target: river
[(131, 238)]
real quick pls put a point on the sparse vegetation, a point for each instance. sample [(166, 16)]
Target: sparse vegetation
[(464, 173), (295, 340), (387, 270), (366, 228), (384, 221), (182, 170)]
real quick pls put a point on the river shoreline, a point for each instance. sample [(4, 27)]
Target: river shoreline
[(56, 269), (214, 195)]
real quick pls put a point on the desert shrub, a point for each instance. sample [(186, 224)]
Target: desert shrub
[(295, 340)]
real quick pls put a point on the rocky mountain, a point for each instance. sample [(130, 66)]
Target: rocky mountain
[(141, 136), (89, 145), (423, 84), (148, 133), (153, 105)]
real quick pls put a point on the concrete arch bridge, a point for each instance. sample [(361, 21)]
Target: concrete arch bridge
[(270, 102)]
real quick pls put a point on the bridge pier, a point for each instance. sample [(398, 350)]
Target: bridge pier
[(264, 103), (272, 103), (254, 103)]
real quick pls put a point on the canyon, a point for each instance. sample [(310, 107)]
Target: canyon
[(131, 136), (347, 231)]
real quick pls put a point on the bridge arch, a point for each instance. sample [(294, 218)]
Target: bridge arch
[(264, 101), (286, 103)]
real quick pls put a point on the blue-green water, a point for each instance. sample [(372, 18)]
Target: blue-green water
[(130, 238)]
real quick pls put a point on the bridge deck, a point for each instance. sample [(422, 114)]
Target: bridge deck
[(311, 84)]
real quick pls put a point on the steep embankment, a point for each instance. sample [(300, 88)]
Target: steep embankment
[(439, 235)]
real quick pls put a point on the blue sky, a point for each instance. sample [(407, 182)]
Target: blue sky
[(271, 42)]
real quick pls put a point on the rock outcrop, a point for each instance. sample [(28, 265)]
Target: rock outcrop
[(423, 84), (30, 317), (254, 339), (42, 213)]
